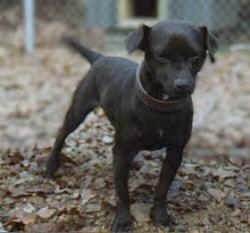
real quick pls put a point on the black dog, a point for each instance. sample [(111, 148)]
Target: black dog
[(149, 105)]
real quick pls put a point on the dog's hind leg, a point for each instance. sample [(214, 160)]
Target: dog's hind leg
[(84, 100)]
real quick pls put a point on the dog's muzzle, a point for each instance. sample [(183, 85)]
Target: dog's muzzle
[(184, 86), (168, 105)]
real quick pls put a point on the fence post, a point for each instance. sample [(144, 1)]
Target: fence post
[(29, 18)]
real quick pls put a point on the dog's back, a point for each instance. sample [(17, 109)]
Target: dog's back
[(114, 75)]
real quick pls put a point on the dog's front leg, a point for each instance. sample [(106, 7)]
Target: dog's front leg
[(121, 163), (169, 168)]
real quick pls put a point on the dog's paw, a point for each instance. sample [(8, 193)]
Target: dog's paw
[(122, 223), (52, 165), (160, 216)]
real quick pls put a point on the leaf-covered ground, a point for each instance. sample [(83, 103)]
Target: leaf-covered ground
[(211, 192), (208, 195)]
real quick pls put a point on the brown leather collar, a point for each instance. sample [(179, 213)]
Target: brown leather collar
[(157, 104)]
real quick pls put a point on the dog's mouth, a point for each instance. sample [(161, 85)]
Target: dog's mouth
[(172, 94), (174, 97)]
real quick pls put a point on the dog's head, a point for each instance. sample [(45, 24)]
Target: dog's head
[(174, 54)]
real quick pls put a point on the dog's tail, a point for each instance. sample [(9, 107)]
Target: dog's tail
[(89, 54)]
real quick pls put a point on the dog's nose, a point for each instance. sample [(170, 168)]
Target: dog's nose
[(183, 85)]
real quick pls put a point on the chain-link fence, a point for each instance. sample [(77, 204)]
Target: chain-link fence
[(95, 20)]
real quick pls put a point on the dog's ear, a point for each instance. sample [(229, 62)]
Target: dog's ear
[(138, 39), (210, 42)]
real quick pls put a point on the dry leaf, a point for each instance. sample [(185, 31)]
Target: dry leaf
[(20, 216), (90, 208), (223, 174), (141, 212), (216, 193), (232, 201), (86, 195), (46, 213), (107, 139)]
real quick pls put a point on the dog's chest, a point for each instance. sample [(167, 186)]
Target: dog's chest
[(153, 138), (155, 132)]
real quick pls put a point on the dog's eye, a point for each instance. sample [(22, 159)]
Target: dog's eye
[(195, 61), (162, 59)]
